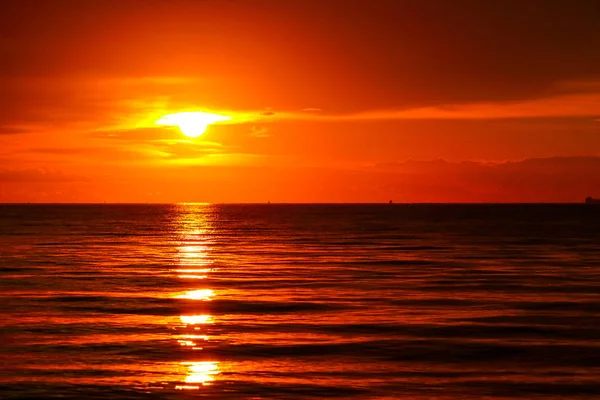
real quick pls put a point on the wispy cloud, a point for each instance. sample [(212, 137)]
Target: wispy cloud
[(259, 132), (92, 154), (566, 105), (138, 135), (585, 104), (13, 130), (27, 175), (574, 105)]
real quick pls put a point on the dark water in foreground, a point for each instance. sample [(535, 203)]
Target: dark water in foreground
[(300, 301)]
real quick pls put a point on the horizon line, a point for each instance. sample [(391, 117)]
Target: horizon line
[(387, 203)]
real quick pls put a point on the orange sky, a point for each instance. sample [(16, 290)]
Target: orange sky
[(407, 100)]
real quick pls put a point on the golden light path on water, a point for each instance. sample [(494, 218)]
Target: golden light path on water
[(202, 294), (193, 267), (192, 257), (196, 319)]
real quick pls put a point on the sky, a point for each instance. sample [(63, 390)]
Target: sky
[(329, 100)]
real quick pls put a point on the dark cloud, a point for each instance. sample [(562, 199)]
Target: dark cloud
[(52, 101), (552, 179), (10, 130), (18, 175), (349, 56)]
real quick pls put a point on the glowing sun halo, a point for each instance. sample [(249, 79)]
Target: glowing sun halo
[(191, 124)]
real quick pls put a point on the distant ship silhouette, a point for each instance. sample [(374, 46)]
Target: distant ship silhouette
[(590, 200)]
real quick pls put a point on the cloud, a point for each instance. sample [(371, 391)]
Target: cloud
[(575, 105), (187, 151), (470, 53), (138, 135), (585, 103), (28, 175), (488, 56), (568, 105), (259, 132), (149, 81), (580, 86), (87, 103), (553, 179), (13, 130), (92, 154)]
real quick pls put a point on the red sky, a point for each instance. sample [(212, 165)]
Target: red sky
[(332, 101)]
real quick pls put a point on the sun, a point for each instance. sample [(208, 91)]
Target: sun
[(193, 123)]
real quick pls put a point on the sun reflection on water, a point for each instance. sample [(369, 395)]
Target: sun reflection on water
[(194, 262), (201, 270), (202, 294), (196, 319), (194, 255), (192, 276), (199, 372)]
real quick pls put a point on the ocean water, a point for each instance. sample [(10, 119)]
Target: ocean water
[(300, 301)]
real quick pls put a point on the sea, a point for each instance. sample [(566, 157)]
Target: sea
[(312, 301)]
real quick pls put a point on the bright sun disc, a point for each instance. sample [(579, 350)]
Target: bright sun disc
[(191, 124)]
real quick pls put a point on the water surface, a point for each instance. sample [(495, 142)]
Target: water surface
[(300, 301)]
